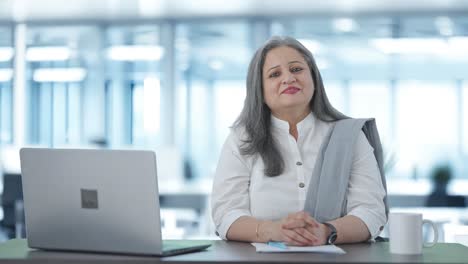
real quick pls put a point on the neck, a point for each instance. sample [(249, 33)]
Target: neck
[(292, 117)]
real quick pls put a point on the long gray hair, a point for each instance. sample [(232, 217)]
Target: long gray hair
[(256, 115)]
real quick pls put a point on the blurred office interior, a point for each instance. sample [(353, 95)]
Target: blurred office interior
[(170, 76)]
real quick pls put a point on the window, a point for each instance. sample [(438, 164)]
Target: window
[(6, 84), (211, 67), (426, 126), (336, 94), (372, 99), (229, 101), (465, 119), (61, 73), (146, 112), (134, 55)]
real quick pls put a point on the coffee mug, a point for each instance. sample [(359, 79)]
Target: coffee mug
[(405, 231)]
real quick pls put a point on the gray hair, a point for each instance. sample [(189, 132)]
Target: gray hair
[(256, 115)]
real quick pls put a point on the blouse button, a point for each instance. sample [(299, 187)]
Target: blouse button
[(301, 185), (298, 163)]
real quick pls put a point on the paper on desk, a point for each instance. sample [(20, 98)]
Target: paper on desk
[(332, 249)]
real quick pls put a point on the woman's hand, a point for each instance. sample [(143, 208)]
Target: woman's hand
[(300, 229)]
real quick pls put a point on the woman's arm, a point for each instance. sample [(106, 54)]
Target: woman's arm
[(249, 229), (350, 229), (230, 197), (365, 198)]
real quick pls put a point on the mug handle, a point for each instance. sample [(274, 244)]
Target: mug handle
[(436, 233)]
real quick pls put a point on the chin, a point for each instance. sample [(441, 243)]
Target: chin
[(294, 103)]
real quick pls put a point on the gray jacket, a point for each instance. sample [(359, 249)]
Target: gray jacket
[(333, 168)]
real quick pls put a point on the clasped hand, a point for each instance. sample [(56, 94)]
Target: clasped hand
[(301, 229)]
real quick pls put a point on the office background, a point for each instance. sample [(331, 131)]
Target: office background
[(170, 76)]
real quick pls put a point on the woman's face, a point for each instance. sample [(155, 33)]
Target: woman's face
[(287, 83)]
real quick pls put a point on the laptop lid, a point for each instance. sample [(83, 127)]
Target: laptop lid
[(92, 200)]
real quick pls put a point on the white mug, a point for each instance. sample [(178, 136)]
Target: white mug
[(405, 231)]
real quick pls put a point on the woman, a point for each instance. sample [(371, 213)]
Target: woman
[(261, 186)]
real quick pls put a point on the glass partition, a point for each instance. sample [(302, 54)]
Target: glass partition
[(464, 120), (6, 84), (134, 85), (61, 74), (211, 67)]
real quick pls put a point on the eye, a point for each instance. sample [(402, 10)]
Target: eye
[(274, 74), (296, 69)]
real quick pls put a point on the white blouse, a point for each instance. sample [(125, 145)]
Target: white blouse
[(240, 187)]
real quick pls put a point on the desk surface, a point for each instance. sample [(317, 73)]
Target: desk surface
[(235, 252)]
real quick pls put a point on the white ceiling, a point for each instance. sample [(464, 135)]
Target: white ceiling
[(37, 10)]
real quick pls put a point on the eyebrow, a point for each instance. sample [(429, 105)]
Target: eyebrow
[(288, 63)]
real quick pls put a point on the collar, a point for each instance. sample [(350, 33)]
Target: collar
[(303, 125)]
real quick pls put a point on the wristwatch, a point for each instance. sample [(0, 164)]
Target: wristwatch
[(333, 235)]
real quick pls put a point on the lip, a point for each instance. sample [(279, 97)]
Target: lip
[(290, 90)]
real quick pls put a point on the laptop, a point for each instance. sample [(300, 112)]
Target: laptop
[(95, 200)]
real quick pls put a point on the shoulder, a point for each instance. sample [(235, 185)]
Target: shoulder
[(238, 134), (236, 139), (323, 126)]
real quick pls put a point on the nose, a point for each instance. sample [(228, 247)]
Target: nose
[(289, 78)]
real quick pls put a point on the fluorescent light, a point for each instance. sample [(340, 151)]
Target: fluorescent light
[(6, 53), (135, 53), (410, 45), (6, 75), (50, 53), (312, 45), (345, 25), (59, 75)]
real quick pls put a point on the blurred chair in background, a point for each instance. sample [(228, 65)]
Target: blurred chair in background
[(12, 195)]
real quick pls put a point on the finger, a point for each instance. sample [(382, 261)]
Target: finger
[(320, 240), (308, 234), (293, 223), (296, 237), (307, 218)]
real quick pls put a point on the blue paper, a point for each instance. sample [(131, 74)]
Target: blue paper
[(277, 245)]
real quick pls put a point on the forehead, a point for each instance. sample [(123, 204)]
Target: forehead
[(282, 55)]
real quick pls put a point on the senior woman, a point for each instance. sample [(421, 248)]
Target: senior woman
[(291, 169)]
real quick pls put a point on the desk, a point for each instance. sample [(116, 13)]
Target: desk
[(242, 253)]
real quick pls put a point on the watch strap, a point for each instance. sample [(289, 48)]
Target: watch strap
[(333, 234)]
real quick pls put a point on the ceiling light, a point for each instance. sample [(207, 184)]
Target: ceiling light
[(6, 53), (135, 53), (312, 45), (410, 45), (50, 53), (59, 75), (345, 25)]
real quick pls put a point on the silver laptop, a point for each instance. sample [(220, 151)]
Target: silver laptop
[(95, 200)]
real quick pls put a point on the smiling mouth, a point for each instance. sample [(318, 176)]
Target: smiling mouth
[(291, 90)]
